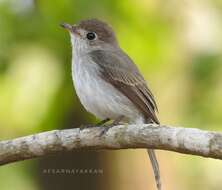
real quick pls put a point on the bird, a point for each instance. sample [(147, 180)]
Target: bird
[(108, 83)]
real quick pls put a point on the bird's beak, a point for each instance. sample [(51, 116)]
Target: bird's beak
[(66, 26), (70, 28)]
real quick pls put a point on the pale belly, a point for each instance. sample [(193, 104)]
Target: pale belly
[(99, 97)]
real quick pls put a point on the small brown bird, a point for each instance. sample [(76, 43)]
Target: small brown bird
[(108, 83)]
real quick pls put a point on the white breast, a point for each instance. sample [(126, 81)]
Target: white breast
[(97, 96)]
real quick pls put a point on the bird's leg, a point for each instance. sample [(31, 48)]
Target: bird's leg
[(115, 122), (100, 123)]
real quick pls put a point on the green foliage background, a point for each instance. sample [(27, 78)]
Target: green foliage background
[(177, 46)]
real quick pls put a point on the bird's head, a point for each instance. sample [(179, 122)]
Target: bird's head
[(91, 34)]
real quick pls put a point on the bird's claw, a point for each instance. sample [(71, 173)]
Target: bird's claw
[(105, 129)]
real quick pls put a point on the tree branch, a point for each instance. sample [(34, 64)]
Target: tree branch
[(183, 140)]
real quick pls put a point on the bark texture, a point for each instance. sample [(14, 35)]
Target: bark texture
[(183, 140)]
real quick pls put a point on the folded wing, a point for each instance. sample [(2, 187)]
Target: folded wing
[(120, 71)]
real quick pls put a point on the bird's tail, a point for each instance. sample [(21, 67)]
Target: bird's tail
[(155, 167)]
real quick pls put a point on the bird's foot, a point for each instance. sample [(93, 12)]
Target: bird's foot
[(101, 123), (107, 127)]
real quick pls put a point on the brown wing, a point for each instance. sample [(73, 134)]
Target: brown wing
[(119, 70)]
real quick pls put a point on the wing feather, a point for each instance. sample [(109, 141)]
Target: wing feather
[(120, 71)]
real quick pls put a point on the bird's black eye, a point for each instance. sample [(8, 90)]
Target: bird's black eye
[(91, 36)]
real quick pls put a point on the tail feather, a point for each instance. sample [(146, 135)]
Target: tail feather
[(155, 167)]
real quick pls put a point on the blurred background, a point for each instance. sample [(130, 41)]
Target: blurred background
[(176, 45)]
